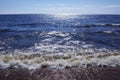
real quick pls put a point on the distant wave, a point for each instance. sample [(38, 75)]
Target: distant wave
[(108, 24), (74, 25), (96, 25), (31, 24), (6, 30)]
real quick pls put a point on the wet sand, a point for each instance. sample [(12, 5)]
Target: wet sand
[(61, 74)]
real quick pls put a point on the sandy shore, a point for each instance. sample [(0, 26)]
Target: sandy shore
[(61, 74)]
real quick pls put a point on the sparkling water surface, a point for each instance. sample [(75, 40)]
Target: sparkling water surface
[(59, 34)]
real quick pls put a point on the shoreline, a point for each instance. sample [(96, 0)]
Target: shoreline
[(98, 73)]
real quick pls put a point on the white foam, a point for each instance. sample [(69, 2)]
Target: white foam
[(59, 60), (57, 33), (108, 32), (113, 24)]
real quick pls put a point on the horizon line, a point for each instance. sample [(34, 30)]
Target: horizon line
[(56, 14)]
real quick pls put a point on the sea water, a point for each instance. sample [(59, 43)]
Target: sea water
[(36, 40)]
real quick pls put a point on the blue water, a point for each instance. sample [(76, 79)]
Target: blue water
[(59, 33)]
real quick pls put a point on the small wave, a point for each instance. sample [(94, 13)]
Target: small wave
[(56, 33), (95, 25), (72, 24), (113, 25)]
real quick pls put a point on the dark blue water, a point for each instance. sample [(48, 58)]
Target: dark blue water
[(58, 33)]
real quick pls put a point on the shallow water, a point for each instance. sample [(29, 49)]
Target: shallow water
[(49, 36)]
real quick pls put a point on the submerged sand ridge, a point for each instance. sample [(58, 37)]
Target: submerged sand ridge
[(108, 73)]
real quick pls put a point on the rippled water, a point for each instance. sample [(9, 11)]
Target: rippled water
[(57, 36)]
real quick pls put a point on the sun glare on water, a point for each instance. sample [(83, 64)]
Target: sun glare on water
[(64, 16)]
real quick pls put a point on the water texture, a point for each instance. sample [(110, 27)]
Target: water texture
[(33, 41)]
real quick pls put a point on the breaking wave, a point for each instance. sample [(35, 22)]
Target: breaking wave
[(76, 59)]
